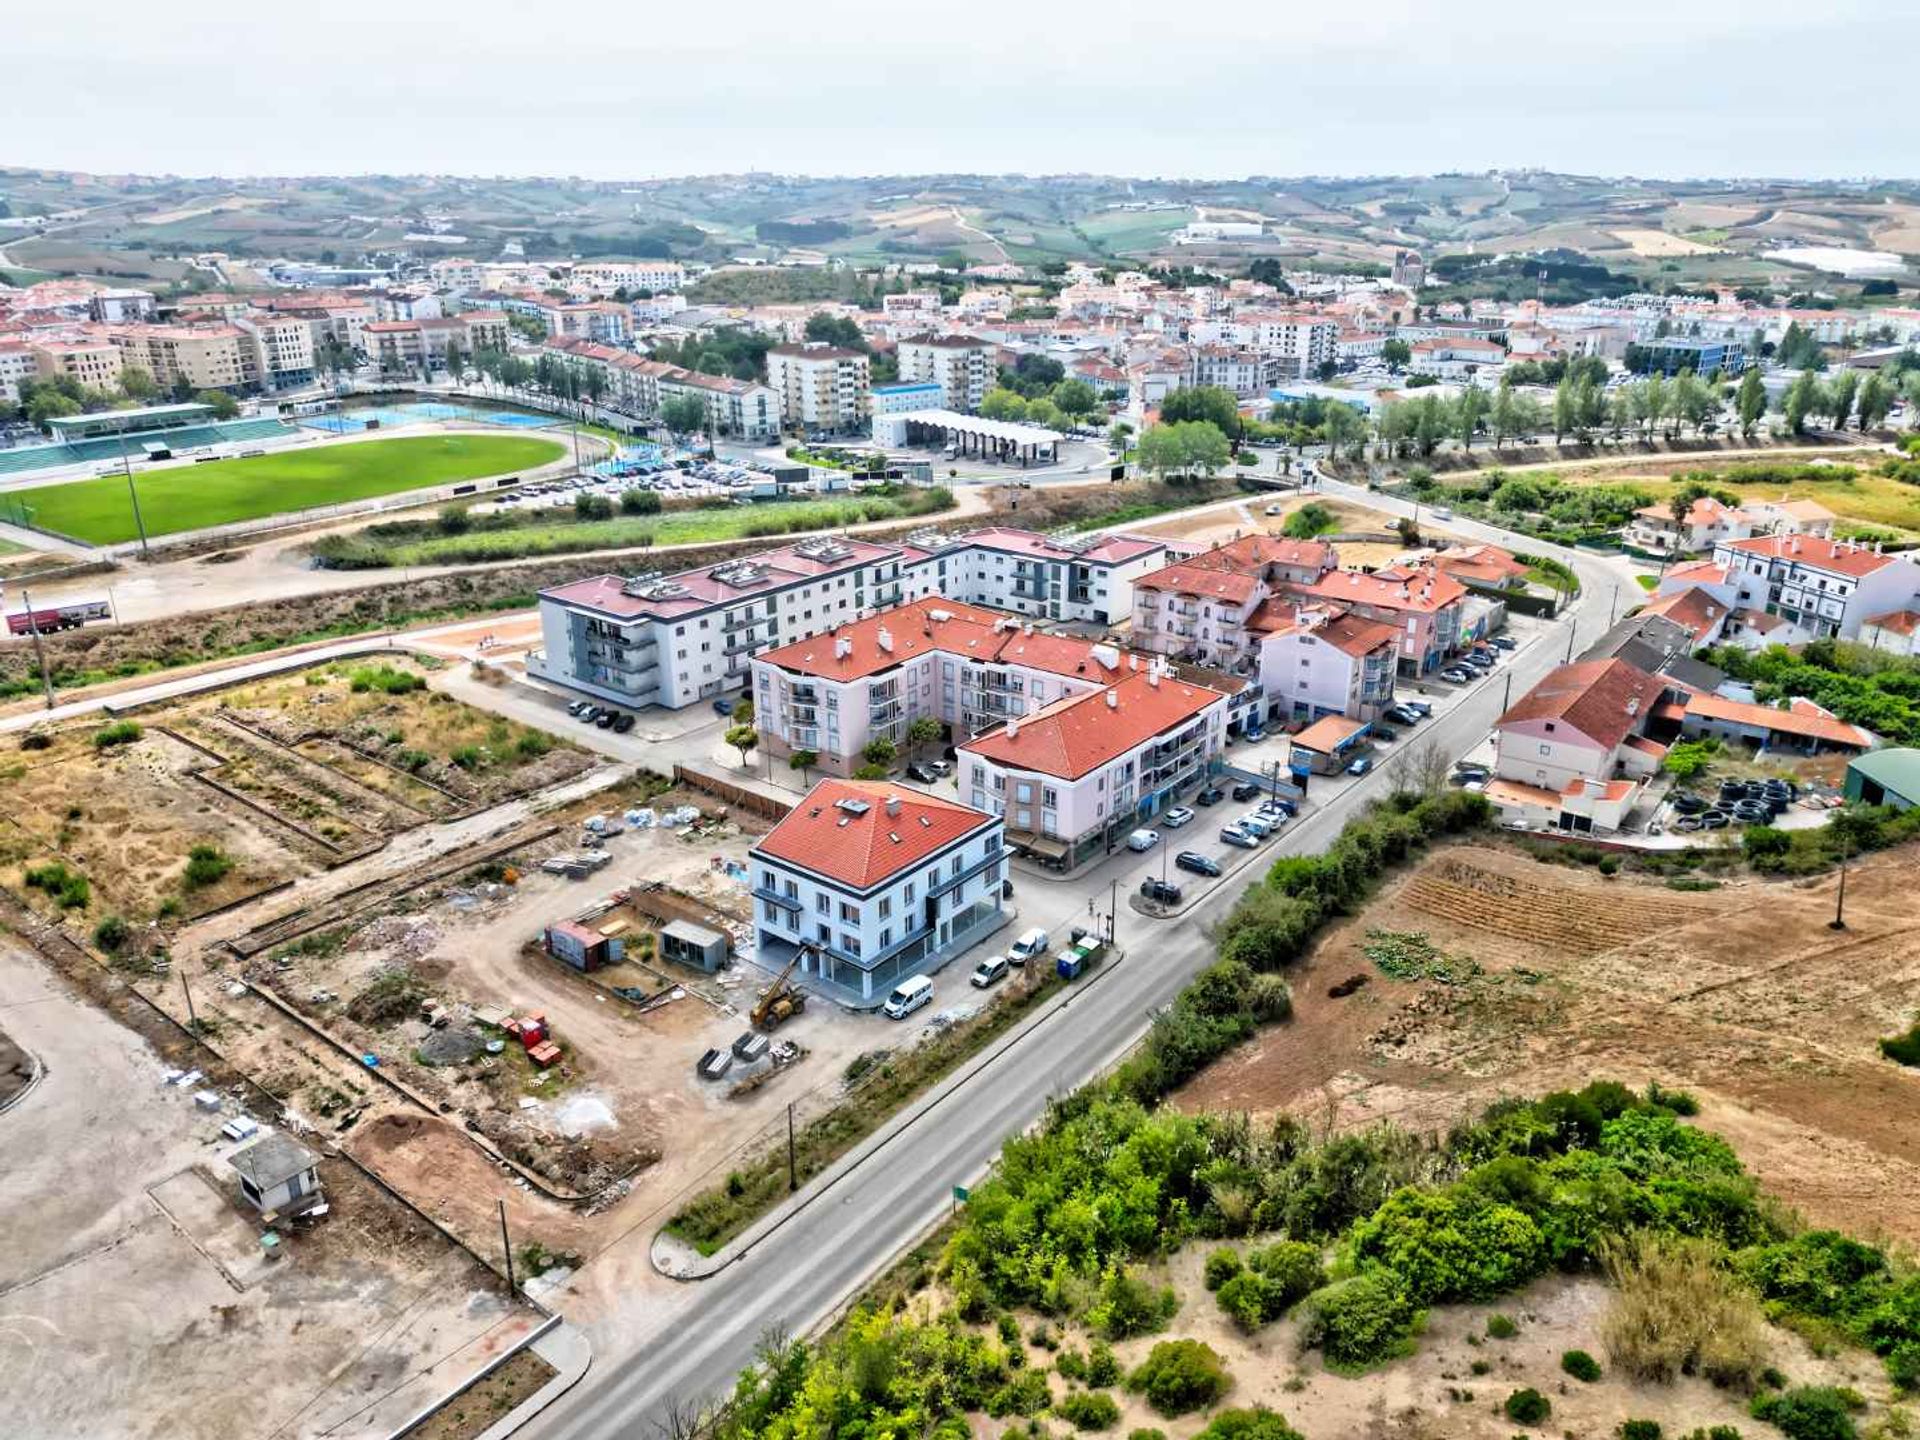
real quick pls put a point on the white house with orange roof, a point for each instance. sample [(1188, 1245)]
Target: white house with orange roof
[(1572, 752), (966, 667), (867, 882), (1897, 632), (1821, 588), (1707, 522), (1318, 660), (1424, 604), (1074, 776), (1790, 517), (1199, 608)]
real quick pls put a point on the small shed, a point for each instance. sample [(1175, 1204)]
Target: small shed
[(277, 1173), (580, 947), (1886, 777), (694, 945), (1325, 746)]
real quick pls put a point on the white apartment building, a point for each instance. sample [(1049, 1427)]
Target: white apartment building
[(674, 640), (1199, 608), (1299, 344), (821, 387), (1819, 587), (933, 658), (1073, 777), (283, 345), (963, 367), (603, 277), (1241, 371), (17, 363), (639, 387), (868, 883), (1086, 577), (1318, 660)]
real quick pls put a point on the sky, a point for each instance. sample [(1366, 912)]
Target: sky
[(1656, 88)]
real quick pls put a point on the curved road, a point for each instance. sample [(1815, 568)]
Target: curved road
[(854, 1223)]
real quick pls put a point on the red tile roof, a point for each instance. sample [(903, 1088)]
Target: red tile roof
[(1801, 717), (1076, 736), (1897, 622), (1190, 578), (1696, 609), (1414, 587), (1602, 699), (1839, 557), (1355, 635), (898, 829), (924, 626)]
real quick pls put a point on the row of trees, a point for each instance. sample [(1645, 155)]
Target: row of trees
[(1066, 402), (53, 397)]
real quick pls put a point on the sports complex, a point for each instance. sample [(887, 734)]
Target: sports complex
[(190, 471)]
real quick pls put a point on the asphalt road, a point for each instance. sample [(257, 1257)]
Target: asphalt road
[(854, 1226)]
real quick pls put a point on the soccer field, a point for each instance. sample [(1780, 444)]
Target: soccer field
[(192, 497)]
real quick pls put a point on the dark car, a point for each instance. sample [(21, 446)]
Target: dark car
[(1196, 862), (923, 773), (723, 706), (1246, 790), (1212, 795), (1385, 734), (1469, 775), (1160, 892), (622, 723), (1503, 642)]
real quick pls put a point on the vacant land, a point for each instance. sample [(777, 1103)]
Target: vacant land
[(1865, 497), (1561, 975), (134, 1274), (193, 497), (198, 805), (1661, 245)]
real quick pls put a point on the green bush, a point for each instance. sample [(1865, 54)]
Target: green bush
[(110, 934), (1248, 1299), (1811, 1412), (1179, 1376), (1527, 1407), (1088, 1410), (1222, 1265), (1361, 1321), (121, 732), (1501, 1327), (1103, 1366), (1129, 1306), (385, 679), (206, 865), (68, 888), (1146, 1432), (1639, 1430), (1580, 1365), (1903, 1048), (1258, 1423), (1027, 1393), (468, 757), (639, 502), (533, 744)]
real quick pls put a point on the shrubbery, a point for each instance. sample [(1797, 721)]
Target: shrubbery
[(206, 865), (1088, 1410), (1527, 1407), (68, 888), (1580, 1365), (1811, 1412), (1179, 1376), (385, 679), (1365, 1320), (1903, 1048), (121, 732), (1676, 1311), (1272, 1282), (1259, 1423)]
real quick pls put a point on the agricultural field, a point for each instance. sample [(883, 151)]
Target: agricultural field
[(193, 497), (1661, 245), (1485, 972), (193, 807)]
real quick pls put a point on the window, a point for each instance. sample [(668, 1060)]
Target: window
[(886, 937), (886, 906), (793, 890), (1546, 749), (907, 898), (849, 914), (822, 904), (849, 943)]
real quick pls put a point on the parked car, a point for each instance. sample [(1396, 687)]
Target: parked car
[(604, 720), (1030, 946), (908, 996), (990, 971), (1458, 675), (1405, 715), (723, 706), (1234, 835), (1141, 840), (622, 723), (1361, 766), (1159, 892), (1176, 817), (922, 772), (577, 706), (1422, 708), (1259, 826), (1246, 789), (1196, 862), (1385, 734), (940, 767), (1212, 795), (1504, 642), (1472, 775)]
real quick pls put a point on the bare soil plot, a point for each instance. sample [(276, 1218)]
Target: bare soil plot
[(1741, 994), (133, 1275), (1660, 245)]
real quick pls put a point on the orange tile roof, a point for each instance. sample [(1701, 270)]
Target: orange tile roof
[(1328, 733), (924, 626), (898, 829), (1837, 556), (1694, 608), (1420, 588), (1188, 578), (1357, 636), (1602, 699), (1076, 736), (1898, 622), (1801, 717)]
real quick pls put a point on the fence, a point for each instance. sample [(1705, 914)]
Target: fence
[(751, 801)]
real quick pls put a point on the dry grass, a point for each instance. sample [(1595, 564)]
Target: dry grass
[(1676, 1312)]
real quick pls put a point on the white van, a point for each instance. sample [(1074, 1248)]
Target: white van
[(1030, 946), (908, 996)]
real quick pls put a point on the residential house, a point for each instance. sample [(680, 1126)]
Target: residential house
[(1800, 725), (1572, 752), (1319, 660), (1707, 522), (1424, 604), (1821, 588), (867, 883)]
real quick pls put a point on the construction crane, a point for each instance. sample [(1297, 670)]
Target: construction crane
[(782, 1000)]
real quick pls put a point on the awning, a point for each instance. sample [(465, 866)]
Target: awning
[(1045, 846)]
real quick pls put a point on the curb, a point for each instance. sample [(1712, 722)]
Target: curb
[(742, 1245), (566, 1349)]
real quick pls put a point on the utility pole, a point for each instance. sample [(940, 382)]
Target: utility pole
[(133, 495), (1614, 603), (1113, 910), (1572, 630), (506, 1246), (1506, 695), (793, 1170), (39, 646), (1839, 921), (193, 1020)]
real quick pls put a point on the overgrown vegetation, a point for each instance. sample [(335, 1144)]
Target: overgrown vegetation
[(206, 865), (1862, 686), (120, 732), (68, 889)]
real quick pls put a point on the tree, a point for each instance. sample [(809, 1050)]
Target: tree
[(1799, 401), (1204, 447), (137, 385), (1503, 417), (1565, 411), (1119, 434), (1398, 354), (1876, 399), (1342, 427), (225, 407), (1075, 398), (880, 751), (743, 738), (684, 414), (924, 731), (841, 330), (50, 405), (1044, 412), (1693, 402), (1308, 521), (1468, 411), (1001, 403), (803, 761), (640, 502), (457, 361), (1211, 403), (1750, 403), (1159, 452), (1841, 392)]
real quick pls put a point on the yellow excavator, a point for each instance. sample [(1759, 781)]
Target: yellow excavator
[(782, 1000)]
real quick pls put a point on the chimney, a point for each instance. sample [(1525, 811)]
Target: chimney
[(884, 639), (842, 647), (1013, 728), (893, 807), (1113, 701), (1153, 678)]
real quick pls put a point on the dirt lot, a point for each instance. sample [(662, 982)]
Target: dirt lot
[(1741, 994), (138, 1302), (274, 781), (1218, 526)]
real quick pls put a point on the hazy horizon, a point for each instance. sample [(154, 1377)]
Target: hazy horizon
[(1642, 90)]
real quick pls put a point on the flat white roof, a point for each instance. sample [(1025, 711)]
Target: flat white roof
[(992, 429)]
